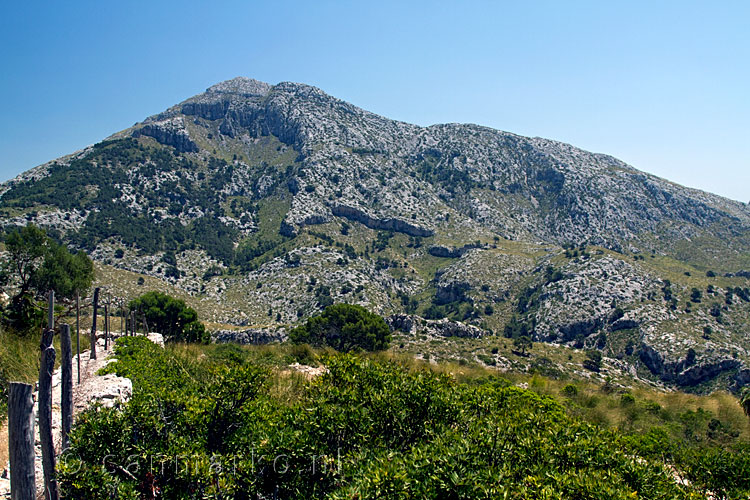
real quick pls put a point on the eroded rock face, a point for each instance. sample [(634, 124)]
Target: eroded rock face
[(451, 252), (411, 324), (170, 133), (543, 188), (390, 224), (742, 379), (688, 372), (454, 291)]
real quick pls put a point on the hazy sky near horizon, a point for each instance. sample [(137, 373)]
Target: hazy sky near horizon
[(664, 86)]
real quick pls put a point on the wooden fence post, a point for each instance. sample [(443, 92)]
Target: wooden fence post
[(93, 326), (66, 403), (78, 334), (21, 441), (51, 310), (46, 368)]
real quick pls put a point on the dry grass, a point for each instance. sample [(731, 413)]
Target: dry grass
[(3, 446), (19, 362), (600, 403)]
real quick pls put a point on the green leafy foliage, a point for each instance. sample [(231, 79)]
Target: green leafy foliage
[(213, 427), (745, 401), (26, 248), (92, 183), (522, 344), (593, 361), (344, 327), (63, 272), (37, 264), (171, 317)]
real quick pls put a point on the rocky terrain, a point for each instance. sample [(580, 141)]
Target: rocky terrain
[(261, 204)]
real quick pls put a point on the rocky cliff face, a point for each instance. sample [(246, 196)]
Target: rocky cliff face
[(384, 173), (275, 200)]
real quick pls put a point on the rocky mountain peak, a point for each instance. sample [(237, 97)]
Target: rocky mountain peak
[(291, 198), (240, 85)]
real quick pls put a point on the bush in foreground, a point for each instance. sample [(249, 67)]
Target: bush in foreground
[(213, 427)]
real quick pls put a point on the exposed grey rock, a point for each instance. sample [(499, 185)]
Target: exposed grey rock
[(390, 224), (451, 292), (686, 372), (170, 133), (317, 160), (738, 274), (411, 324), (623, 324), (451, 252)]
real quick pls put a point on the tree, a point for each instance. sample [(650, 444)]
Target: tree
[(171, 317), (63, 272), (579, 341), (344, 327), (26, 247), (523, 344), (593, 361), (36, 264)]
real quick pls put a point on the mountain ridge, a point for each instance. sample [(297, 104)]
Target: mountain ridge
[(271, 201)]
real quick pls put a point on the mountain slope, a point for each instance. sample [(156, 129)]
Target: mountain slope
[(276, 200)]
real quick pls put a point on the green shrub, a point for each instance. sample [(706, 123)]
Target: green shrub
[(627, 399), (487, 359), (38, 264), (344, 327), (210, 427), (569, 391), (593, 361), (170, 317)]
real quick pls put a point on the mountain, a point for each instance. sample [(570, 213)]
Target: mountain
[(264, 203)]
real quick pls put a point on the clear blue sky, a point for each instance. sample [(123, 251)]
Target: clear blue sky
[(664, 86)]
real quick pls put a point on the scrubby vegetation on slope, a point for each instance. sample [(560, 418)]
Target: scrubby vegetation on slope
[(229, 422)]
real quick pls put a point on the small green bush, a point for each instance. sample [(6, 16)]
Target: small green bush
[(593, 361), (627, 399), (170, 317), (303, 354), (344, 327), (569, 391)]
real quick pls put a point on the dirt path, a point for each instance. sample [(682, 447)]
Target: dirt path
[(106, 389)]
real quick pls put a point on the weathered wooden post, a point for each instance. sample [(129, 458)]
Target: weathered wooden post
[(78, 334), (51, 310), (122, 318), (133, 326), (46, 368), (93, 326), (21, 441), (67, 384)]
